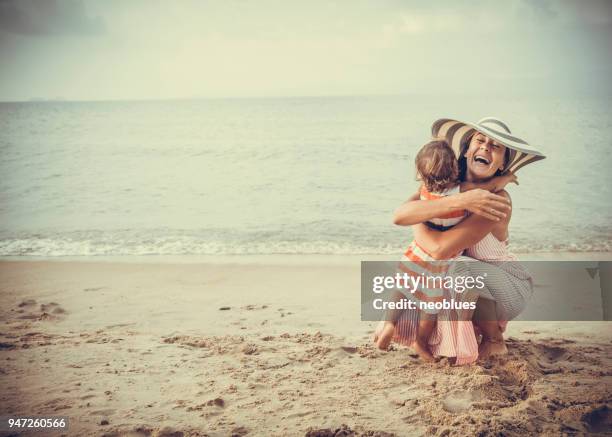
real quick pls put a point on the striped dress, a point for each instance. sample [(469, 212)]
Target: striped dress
[(507, 282), (417, 262)]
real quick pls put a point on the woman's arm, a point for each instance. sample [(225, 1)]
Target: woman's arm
[(444, 245), (483, 203), (414, 210)]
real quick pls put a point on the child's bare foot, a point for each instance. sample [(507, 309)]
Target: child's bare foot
[(490, 347), (384, 337), (423, 351)]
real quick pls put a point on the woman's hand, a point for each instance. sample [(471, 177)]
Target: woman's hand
[(483, 203)]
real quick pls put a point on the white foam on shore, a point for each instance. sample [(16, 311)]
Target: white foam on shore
[(102, 244), (286, 259)]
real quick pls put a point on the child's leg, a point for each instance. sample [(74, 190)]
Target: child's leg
[(383, 340), (427, 322)]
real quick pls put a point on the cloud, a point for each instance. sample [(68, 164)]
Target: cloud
[(542, 9), (570, 12), (48, 17), (187, 48)]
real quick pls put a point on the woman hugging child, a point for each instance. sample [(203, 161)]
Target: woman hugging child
[(438, 170)]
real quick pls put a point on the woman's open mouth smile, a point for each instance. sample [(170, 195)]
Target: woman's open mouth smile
[(481, 161)]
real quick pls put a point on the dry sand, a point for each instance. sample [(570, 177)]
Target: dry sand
[(258, 348)]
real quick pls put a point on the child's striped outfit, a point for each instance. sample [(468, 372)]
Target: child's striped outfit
[(448, 220), (417, 262)]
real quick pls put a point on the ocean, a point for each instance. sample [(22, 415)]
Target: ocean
[(312, 175)]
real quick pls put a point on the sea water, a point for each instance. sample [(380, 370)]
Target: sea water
[(277, 176)]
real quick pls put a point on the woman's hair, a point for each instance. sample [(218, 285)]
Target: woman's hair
[(463, 161), (437, 166)]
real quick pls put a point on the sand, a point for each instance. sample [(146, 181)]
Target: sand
[(269, 347)]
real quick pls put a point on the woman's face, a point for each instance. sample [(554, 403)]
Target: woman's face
[(484, 157)]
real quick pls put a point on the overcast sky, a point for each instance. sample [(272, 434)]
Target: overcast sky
[(147, 49)]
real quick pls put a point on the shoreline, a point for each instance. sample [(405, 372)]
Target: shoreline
[(284, 259)]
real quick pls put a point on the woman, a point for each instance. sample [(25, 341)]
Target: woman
[(484, 150)]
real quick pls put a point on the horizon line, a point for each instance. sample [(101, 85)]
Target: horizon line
[(60, 99)]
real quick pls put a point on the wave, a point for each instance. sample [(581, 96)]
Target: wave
[(124, 243)]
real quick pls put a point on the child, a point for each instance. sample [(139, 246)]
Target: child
[(437, 168)]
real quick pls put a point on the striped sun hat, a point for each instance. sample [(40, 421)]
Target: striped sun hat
[(457, 134)]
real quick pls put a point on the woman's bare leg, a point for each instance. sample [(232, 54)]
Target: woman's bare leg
[(467, 296), (485, 317)]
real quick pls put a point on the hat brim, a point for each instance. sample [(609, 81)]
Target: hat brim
[(457, 133)]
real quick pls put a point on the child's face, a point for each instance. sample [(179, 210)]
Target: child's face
[(484, 156)]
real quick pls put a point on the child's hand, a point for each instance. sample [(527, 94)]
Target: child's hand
[(505, 179)]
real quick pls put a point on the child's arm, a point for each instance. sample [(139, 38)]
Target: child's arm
[(493, 185), (481, 202)]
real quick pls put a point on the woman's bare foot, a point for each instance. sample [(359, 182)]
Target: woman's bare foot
[(490, 347), (422, 350), (384, 337)]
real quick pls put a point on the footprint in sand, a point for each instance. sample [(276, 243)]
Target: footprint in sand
[(104, 413), (252, 307), (49, 311), (598, 420), (94, 289), (344, 430), (53, 308), (139, 431), (239, 431), (119, 325), (460, 401), (29, 316), (552, 353), (315, 325)]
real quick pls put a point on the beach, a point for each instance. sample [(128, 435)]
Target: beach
[(203, 206), (270, 346)]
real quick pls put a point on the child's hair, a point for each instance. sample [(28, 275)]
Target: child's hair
[(437, 166)]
